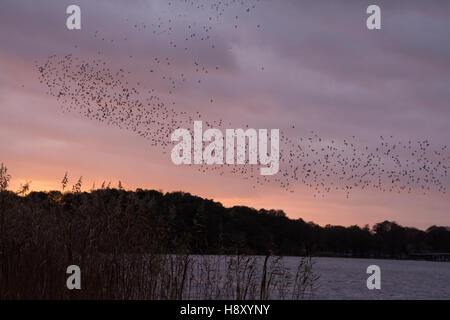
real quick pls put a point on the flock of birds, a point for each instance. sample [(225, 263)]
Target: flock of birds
[(110, 94)]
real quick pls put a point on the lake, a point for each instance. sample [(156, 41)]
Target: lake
[(339, 278), (345, 278)]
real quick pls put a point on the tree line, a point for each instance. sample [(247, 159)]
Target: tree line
[(141, 220)]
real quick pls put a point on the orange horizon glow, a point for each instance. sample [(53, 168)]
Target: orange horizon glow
[(338, 82)]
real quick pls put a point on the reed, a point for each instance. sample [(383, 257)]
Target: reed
[(124, 252)]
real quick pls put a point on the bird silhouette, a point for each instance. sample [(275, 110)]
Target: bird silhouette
[(107, 93)]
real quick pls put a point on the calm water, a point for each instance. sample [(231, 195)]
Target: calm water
[(346, 278), (342, 278)]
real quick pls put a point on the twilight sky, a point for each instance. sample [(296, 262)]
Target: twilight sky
[(309, 64)]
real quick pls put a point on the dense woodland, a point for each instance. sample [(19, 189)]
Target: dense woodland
[(136, 220), (121, 239)]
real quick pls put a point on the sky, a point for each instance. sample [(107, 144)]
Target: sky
[(300, 66)]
